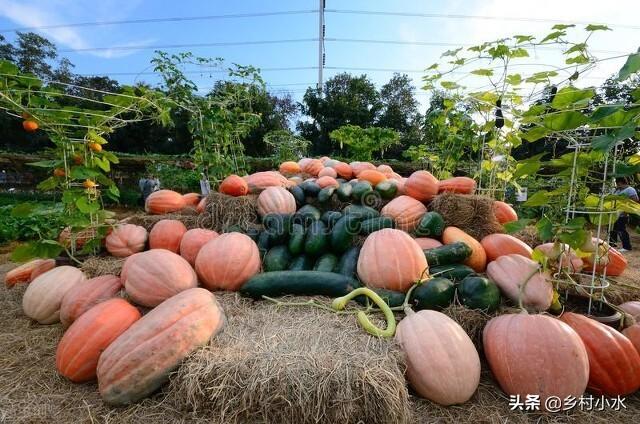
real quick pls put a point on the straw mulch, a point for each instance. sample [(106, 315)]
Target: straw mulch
[(529, 235), (471, 213), (223, 212), (102, 265), (188, 217)]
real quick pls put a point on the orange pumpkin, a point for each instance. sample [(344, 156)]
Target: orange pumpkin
[(261, 180), (391, 259), (328, 172), (191, 199), (289, 168), (192, 241), (153, 276), (632, 308), (478, 259), (422, 186), (228, 261), (327, 181), (386, 170), (427, 243), (358, 167), (536, 355), (30, 126), (43, 297), (503, 212), (496, 245), (83, 343), (405, 211), (164, 201), (167, 234), (139, 361), (313, 167), (343, 170), (276, 200), (126, 239), (303, 162), (27, 272), (613, 261), (201, 205), (325, 159), (234, 185), (87, 295), (373, 176), (633, 334), (460, 185)]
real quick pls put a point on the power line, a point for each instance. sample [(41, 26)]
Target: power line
[(204, 71)]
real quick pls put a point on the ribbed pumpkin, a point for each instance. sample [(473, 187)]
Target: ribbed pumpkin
[(192, 242), (140, 360), (496, 245), (289, 168), (343, 170), (191, 199), (614, 261), (167, 234), (28, 272), (503, 212), (164, 201), (405, 211), (85, 296), (328, 172), (276, 200), (427, 243), (327, 181), (561, 256), (43, 297), (83, 343), (358, 167), (303, 162), (442, 363), (261, 180), (460, 185), (234, 185), (228, 261), (151, 277), (632, 308), (511, 272), (633, 334), (386, 170), (126, 239), (325, 159), (536, 355), (478, 258), (373, 176), (313, 167), (391, 259), (614, 363), (422, 186)]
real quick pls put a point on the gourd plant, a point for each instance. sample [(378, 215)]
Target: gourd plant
[(81, 163), (286, 146), (363, 142)]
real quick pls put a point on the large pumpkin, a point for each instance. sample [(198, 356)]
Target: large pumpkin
[(192, 242), (343, 170), (84, 297), (391, 259), (83, 343), (358, 167), (289, 168), (614, 363), (520, 279), (261, 180), (405, 211), (191, 199), (164, 201), (151, 277), (43, 297), (373, 176), (503, 212), (478, 258), (29, 271), (561, 256), (126, 239), (328, 172), (536, 355), (140, 360), (313, 167), (167, 234), (386, 170), (442, 363), (633, 334), (327, 181), (632, 308), (228, 261), (496, 245), (422, 186), (611, 260), (234, 185), (276, 200), (460, 185)]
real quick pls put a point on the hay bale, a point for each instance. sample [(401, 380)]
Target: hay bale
[(188, 217), (298, 365), (102, 265), (471, 213), (222, 212), (529, 235)]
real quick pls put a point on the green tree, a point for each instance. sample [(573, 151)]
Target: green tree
[(285, 146), (33, 54), (362, 143)]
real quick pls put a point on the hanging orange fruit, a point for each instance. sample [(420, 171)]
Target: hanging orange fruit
[(95, 147), (59, 172), (78, 159), (30, 126), (89, 184)]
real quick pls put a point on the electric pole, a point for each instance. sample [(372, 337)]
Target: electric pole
[(321, 55)]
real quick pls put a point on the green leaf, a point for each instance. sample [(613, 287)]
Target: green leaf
[(596, 27), (514, 79), (575, 239), (607, 141), (432, 67), (572, 97), (523, 38), (449, 85), (500, 50), (539, 198), (631, 66), (580, 59), (519, 52), (451, 52), (535, 133), (555, 35), (9, 68), (528, 166), (515, 226), (110, 157), (102, 163), (82, 173), (541, 76), (48, 184), (483, 72), (560, 27), (86, 206), (37, 249), (23, 210), (563, 121), (46, 163), (545, 229), (605, 110), (580, 47)]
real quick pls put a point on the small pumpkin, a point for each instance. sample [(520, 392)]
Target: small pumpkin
[(632, 308), (358, 167), (521, 280), (43, 297), (289, 168), (504, 213), (167, 234), (386, 170), (327, 181), (28, 272), (613, 261), (328, 172), (422, 186), (192, 242), (343, 170), (373, 176), (85, 296), (313, 167), (633, 334), (460, 185), (126, 239), (427, 243), (276, 200), (191, 199), (405, 211), (164, 201), (261, 180), (234, 185), (496, 245), (478, 259)]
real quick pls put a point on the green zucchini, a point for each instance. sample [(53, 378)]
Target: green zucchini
[(375, 224), (325, 194), (387, 189), (344, 192), (436, 293), (277, 259), (263, 243), (296, 240), (448, 254), (317, 240), (326, 262), (477, 292), (278, 226), (301, 263), (453, 272), (392, 298), (306, 215), (298, 194), (310, 188), (348, 263), (302, 283), (364, 212), (361, 190), (330, 218), (431, 225), (343, 232)]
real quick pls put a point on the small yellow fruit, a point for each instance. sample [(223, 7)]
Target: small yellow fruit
[(89, 184), (59, 172), (95, 147)]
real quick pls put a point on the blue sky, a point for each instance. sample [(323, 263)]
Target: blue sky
[(303, 26)]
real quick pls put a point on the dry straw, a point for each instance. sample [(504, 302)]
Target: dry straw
[(472, 214)]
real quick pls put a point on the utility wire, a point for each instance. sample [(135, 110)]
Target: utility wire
[(204, 71)]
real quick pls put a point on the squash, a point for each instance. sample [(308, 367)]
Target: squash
[(202, 205), (477, 292), (633, 334), (191, 199), (632, 308), (28, 272), (460, 185), (140, 360), (561, 256), (503, 212), (276, 200), (328, 172), (327, 181), (167, 234), (85, 296), (303, 162), (391, 259), (192, 242), (373, 176), (443, 365), (427, 243), (261, 180), (358, 167), (164, 201), (512, 272), (289, 168), (422, 186), (614, 262), (43, 297), (343, 170), (478, 259), (536, 355), (496, 245), (614, 363), (386, 170), (234, 185), (227, 262), (81, 346), (405, 211), (151, 277), (313, 167), (126, 239)]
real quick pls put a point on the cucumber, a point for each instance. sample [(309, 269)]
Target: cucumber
[(306, 215), (431, 225), (278, 226), (375, 224), (263, 243), (361, 190), (330, 218), (344, 192), (310, 188), (391, 298), (326, 263), (477, 292), (302, 283), (325, 194), (301, 263), (343, 232), (453, 272), (364, 212), (253, 233), (348, 263), (298, 194), (387, 189), (448, 254), (436, 293), (277, 259), (296, 240), (317, 240)]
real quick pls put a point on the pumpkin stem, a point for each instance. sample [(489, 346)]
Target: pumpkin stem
[(340, 303), (523, 286)]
